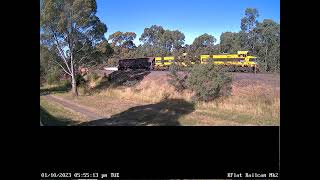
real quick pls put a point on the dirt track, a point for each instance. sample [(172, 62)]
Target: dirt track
[(74, 107)]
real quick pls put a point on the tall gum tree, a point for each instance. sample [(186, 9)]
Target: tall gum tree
[(72, 28)]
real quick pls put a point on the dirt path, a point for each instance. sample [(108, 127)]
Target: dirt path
[(74, 107)]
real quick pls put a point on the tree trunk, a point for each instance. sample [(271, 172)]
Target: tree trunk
[(74, 85)]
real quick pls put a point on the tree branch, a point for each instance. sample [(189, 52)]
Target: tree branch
[(82, 46), (61, 66), (89, 62), (86, 56), (59, 49)]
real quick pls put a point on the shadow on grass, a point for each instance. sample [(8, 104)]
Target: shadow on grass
[(57, 89), (165, 113), (48, 120), (121, 78)]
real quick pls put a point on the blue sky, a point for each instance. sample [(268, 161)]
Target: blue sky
[(192, 17)]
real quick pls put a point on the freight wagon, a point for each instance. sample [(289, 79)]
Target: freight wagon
[(136, 63)]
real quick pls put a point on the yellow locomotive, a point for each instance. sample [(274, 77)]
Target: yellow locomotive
[(161, 63), (241, 61)]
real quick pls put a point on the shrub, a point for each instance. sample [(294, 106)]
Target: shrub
[(114, 61), (65, 83), (176, 80), (53, 77), (165, 96), (83, 90), (208, 82), (93, 76), (80, 80)]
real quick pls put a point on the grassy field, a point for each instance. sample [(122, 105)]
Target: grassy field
[(53, 114), (251, 103)]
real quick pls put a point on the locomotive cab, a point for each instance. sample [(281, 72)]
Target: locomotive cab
[(242, 53), (204, 59)]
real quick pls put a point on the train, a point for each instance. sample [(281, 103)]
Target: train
[(242, 61), (137, 63)]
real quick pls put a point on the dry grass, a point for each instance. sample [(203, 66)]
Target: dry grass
[(251, 103), (254, 103), (147, 91)]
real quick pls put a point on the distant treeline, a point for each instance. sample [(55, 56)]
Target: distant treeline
[(261, 39)]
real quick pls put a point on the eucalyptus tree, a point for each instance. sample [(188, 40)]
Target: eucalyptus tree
[(73, 30)]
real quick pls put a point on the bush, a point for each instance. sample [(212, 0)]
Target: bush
[(53, 77), (208, 82), (83, 84), (80, 80), (84, 90), (65, 83), (165, 96), (176, 80), (93, 76), (114, 61)]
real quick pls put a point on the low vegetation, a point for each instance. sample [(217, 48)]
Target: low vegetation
[(208, 82), (178, 81), (249, 104)]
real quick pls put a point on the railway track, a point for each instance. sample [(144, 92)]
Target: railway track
[(238, 77), (167, 71)]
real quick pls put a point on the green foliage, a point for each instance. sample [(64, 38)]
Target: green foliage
[(229, 42), (84, 90), (113, 61), (83, 85), (53, 77), (190, 54), (156, 42), (250, 20), (123, 46), (92, 76), (176, 80), (262, 39), (208, 82), (80, 80), (160, 42), (204, 44), (105, 49), (47, 65), (204, 40), (267, 45), (65, 83), (123, 40), (152, 35)]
